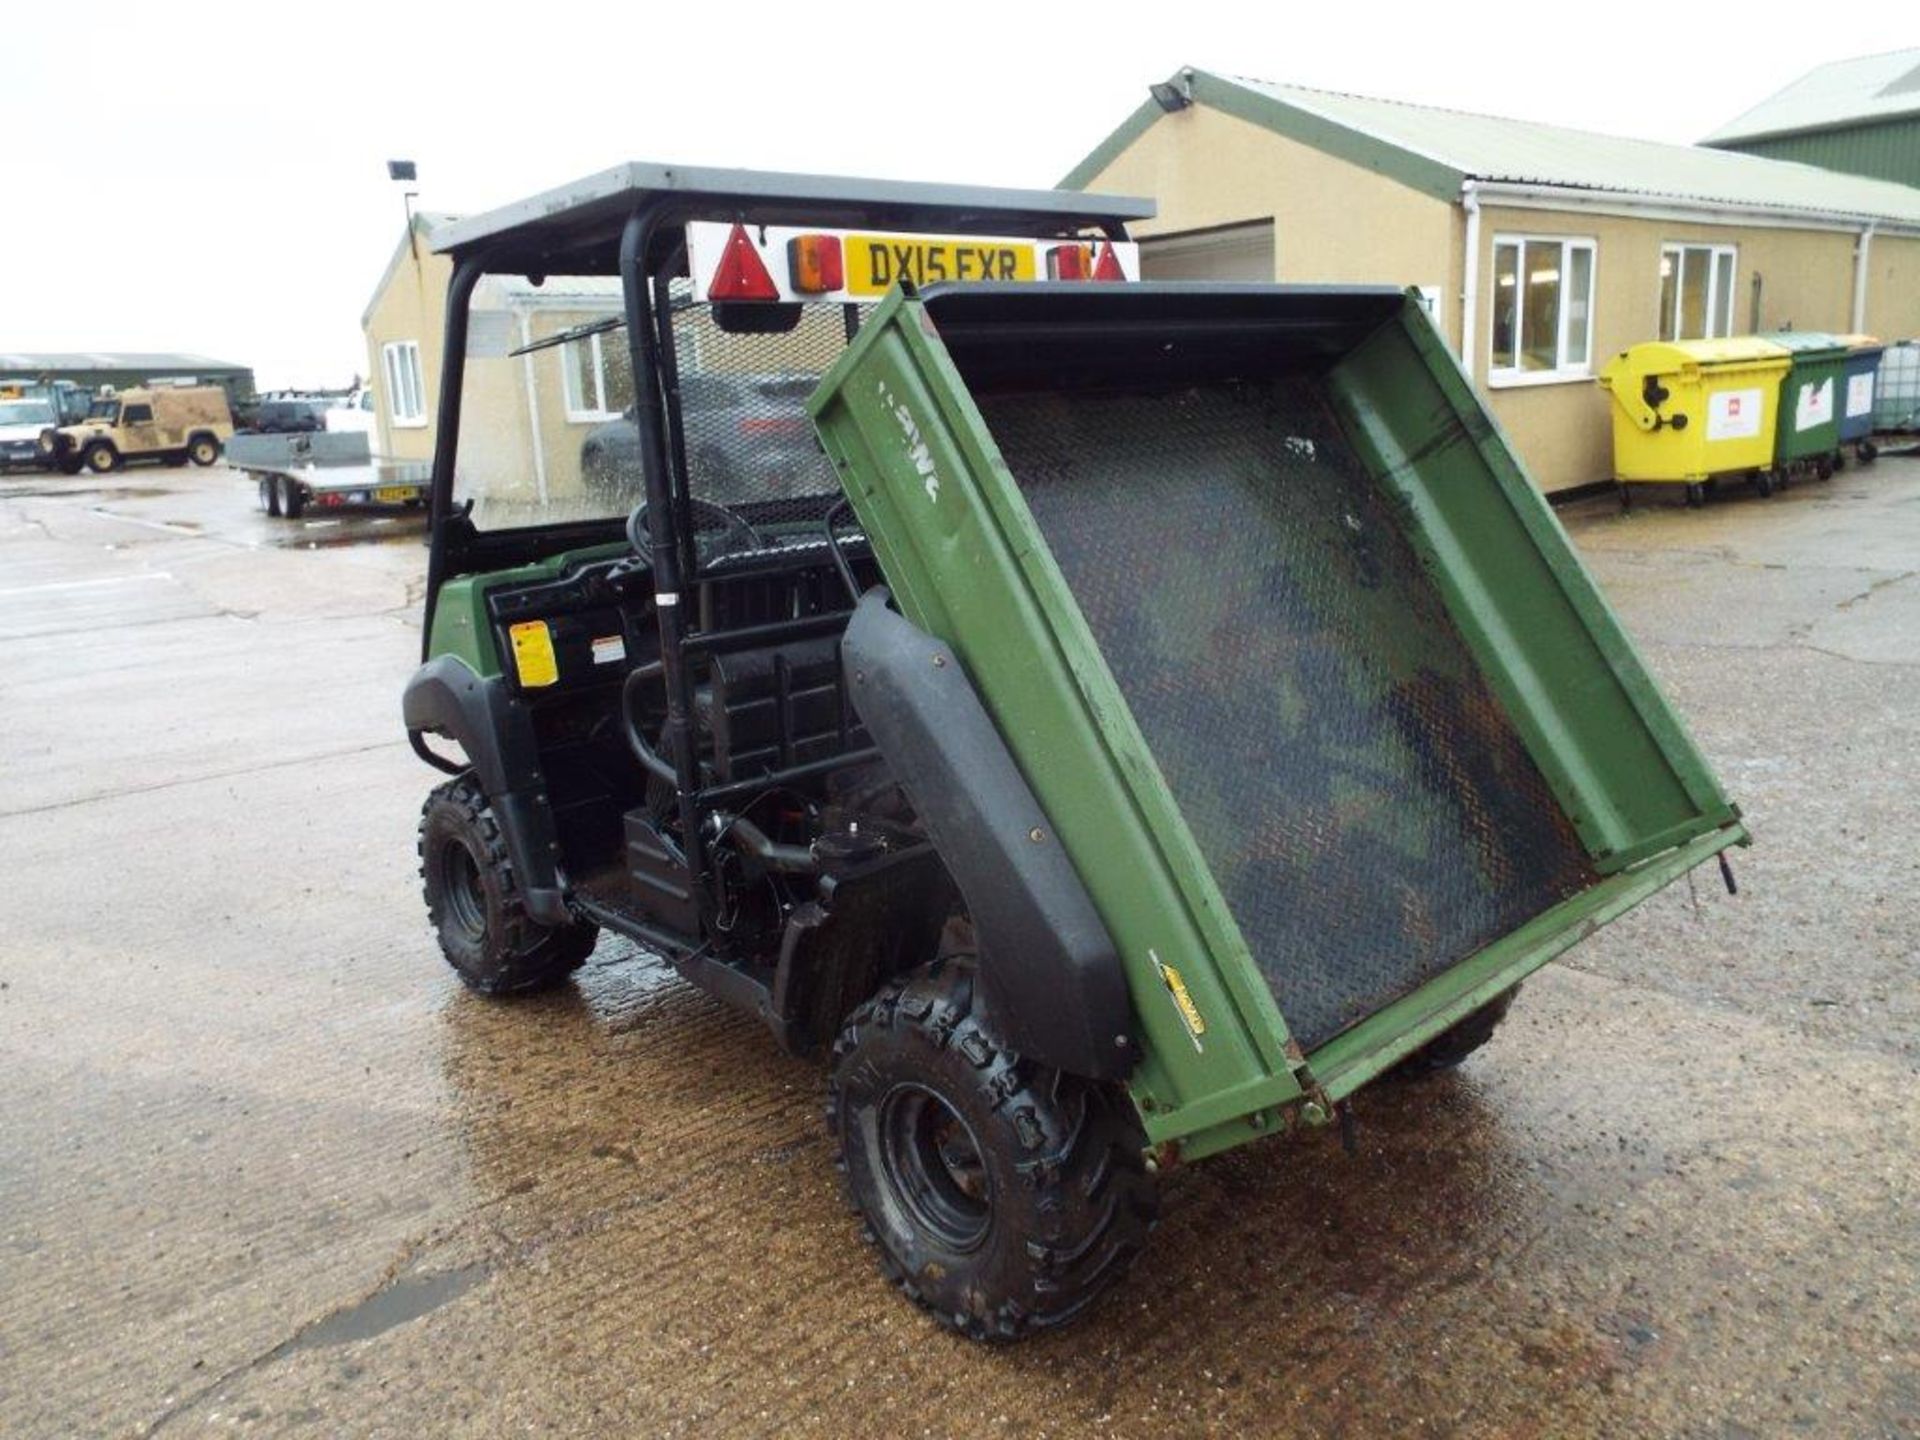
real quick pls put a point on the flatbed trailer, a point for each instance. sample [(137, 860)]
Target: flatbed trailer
[(326, 471)]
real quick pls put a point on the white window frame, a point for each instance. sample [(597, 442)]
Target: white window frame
[(406, 384), (579, 412), (1718, 326), (1570, 369)]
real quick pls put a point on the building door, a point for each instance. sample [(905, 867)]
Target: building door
[(1221, 252)]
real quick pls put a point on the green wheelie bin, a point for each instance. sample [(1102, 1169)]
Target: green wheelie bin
[(1807, 439)]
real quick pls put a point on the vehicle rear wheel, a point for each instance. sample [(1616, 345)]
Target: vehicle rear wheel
[(292, 498), (1825, 466), (474, 903), (1002, 1195), (1696, 495), (203, 450), (1763, 482), (101, 458), (269, 496), (1450, 1047)]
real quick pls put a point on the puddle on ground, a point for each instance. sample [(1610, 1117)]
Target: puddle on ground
[(332, 534), (394, 1304), (69, 492)]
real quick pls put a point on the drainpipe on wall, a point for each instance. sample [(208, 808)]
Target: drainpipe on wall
[(1469, 274), (533, 409), (1860, 280)]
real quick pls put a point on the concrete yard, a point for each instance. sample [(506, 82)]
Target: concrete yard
[(265, 1167)]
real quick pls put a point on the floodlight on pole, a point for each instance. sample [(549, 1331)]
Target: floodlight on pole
[(404, 172)]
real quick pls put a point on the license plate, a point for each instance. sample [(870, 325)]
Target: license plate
[(395, 494), (875, 262)]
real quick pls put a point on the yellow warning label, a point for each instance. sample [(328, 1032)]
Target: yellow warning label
[(533, 653), (1190, 1015)]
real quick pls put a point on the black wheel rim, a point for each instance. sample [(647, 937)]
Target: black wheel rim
[(466, 906), (934, 1164)]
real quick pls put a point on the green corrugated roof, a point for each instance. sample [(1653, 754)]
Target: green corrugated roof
[(1847, 92), (1434, 150)]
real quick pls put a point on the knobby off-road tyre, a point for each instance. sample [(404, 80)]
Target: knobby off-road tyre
[(474, 903), (1450, 1047), (1001, 1195)]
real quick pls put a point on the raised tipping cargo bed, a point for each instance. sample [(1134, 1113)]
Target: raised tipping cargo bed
[(1336, 729)]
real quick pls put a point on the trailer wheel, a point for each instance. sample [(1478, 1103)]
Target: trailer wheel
[(1866, 450), (292, 498), (474, 903), (101, 458), (203, 450), (1764, 482), (1825, 466), (1001, 1195), (269, 496), (1450, 1047), (1696, 495)]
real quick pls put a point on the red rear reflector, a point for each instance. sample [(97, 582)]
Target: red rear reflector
[(813, 264), (742, 274), (1068, 262), (1108, 266)]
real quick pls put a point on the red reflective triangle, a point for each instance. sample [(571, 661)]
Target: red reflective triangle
[(742, 274), (1107, 267)]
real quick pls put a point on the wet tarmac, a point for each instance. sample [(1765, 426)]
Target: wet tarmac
[(265, 1168)]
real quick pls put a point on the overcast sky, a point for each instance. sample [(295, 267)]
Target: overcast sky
[(211, 178)]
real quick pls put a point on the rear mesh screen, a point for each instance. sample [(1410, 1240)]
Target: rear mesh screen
[(1365, 806), (743, 407)]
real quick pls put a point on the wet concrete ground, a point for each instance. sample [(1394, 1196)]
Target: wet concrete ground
[(265, 1167)]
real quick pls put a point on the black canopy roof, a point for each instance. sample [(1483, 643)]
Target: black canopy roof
[(575, 229)]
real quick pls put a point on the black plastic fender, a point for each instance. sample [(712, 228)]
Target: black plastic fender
[(484, 719), (1049, 974)]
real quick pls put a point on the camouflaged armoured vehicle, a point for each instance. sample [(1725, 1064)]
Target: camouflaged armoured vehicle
[(1158, 712), (171, 424)]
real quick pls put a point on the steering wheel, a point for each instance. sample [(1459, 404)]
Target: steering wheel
[(706, 509)]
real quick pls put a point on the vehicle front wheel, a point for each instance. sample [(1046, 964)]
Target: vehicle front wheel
[(474, 903), (203, 450), (101, 458), (1451, 1046), (1002, 1195)]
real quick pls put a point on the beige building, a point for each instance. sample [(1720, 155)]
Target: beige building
[(1540, 250)]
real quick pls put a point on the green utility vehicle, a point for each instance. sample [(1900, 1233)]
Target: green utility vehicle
[(1150, 714)]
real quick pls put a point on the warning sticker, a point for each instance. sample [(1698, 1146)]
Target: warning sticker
[(608, 648), (533, 658), (1813, 405), (1859, 395), (1733, 415)]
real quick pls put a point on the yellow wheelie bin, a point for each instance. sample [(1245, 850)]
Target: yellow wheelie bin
[(1686, 412)]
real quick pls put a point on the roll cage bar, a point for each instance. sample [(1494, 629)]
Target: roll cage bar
[(639, 213)]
